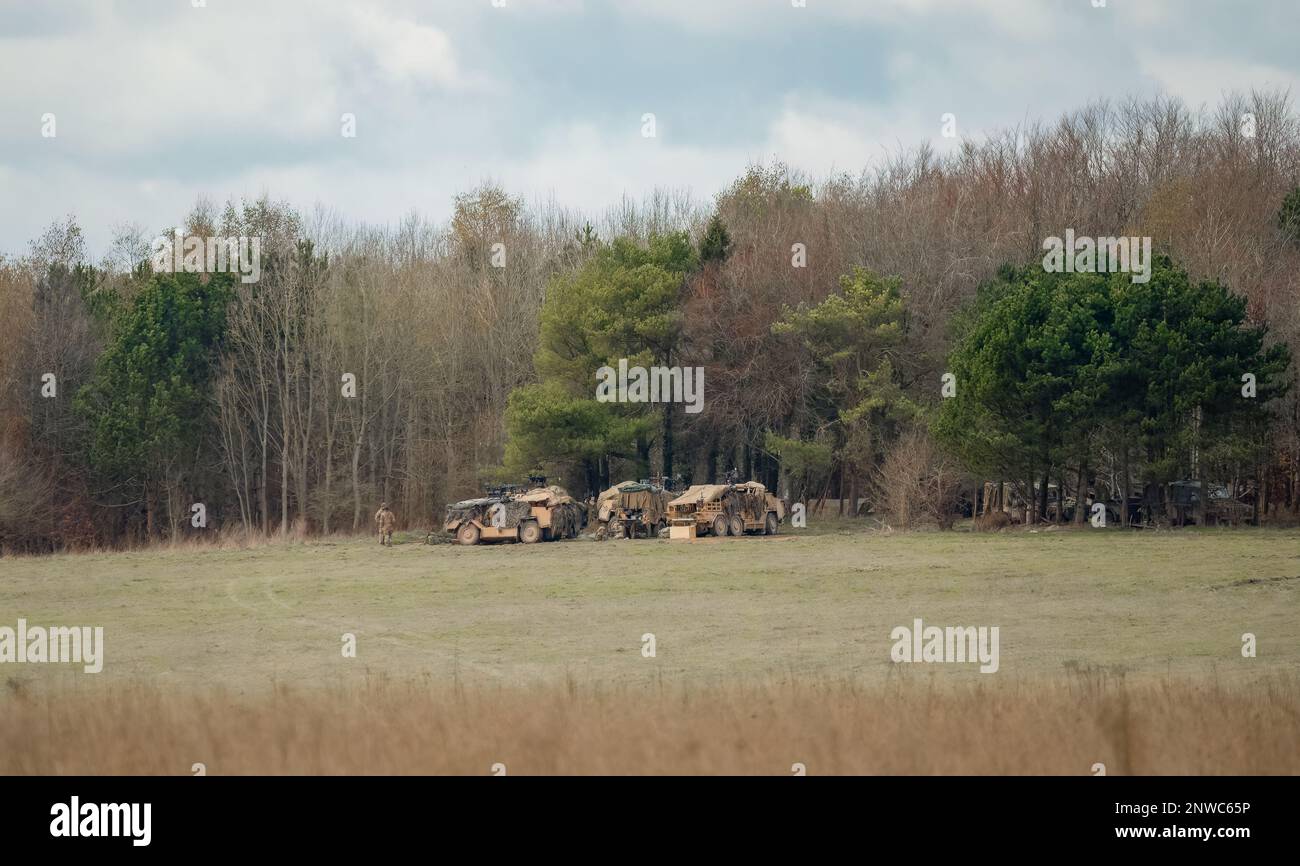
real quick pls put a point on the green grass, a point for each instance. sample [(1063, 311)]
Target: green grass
[(729, 611)]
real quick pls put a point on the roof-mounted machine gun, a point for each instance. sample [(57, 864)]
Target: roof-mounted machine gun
[(500, 491)]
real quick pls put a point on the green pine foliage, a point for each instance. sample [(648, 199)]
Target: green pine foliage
[(149, 400), (1051, 367)]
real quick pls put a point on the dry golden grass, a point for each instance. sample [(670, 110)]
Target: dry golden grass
[(911, 726)]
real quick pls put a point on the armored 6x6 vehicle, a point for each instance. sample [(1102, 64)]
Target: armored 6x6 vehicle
[(632, 508), (727, 509), (540, 514)]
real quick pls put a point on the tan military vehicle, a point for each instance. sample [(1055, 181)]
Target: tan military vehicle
[(539, 514), (631, 509), (727, 509)]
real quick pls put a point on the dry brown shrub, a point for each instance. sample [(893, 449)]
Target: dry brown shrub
[(917, 484)]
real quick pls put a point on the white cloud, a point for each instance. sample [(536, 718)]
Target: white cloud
[(1018, 18), (130, 85), (157, 105), (407, 52), (591, 170), (825, 136), (1199, 80)]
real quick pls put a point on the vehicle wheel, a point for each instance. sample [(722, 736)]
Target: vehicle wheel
[(737, 525), (769, 527), (467, 534), (530, 532), (720, 525)]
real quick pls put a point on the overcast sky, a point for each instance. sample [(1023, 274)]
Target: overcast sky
[(157, 102)]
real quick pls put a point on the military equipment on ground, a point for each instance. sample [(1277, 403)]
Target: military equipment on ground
[(1220, 507), (727, 509), (633, 508), (539, 514)]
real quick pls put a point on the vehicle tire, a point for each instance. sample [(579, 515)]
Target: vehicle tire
[(771, 524), (530, 532), (467, 533), (737, 525), (720, 525)]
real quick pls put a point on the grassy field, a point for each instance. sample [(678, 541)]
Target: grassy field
[(1100, 632)]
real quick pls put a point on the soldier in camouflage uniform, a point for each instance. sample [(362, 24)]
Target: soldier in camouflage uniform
[(385, 519)]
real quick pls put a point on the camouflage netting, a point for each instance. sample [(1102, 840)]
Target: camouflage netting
[(566, 515), (749, 499), (647, 501), (608, 500), (551, 495), (749, 502), (694, 496), (482, 510), (566, 520)]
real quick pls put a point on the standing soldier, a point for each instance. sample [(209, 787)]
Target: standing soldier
[(384, 519)]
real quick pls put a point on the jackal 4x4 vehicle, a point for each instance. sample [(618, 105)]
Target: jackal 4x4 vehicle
[(728, 509), (633, 508), (540, 514)]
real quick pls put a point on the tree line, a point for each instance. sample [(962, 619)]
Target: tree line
[(416, 362)]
